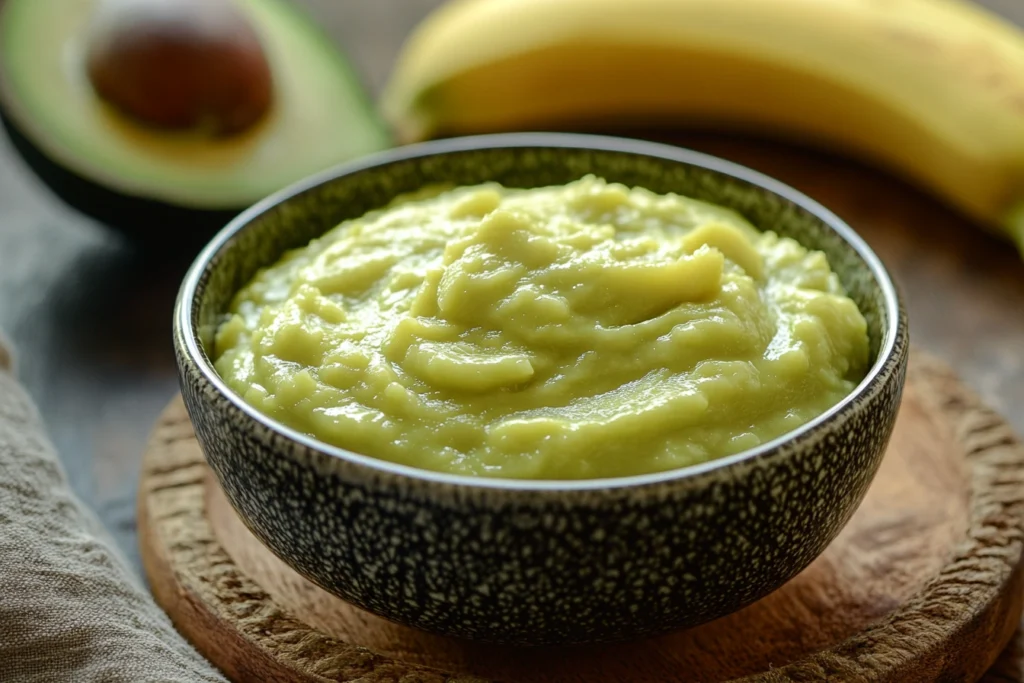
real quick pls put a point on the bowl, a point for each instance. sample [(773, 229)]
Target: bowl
[(539, 562)]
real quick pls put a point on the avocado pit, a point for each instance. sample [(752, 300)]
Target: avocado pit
[(179, 64)]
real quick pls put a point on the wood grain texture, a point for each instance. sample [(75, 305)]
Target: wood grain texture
[(924, 584)]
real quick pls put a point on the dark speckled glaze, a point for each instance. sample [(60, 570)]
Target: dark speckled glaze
[(532, 562)]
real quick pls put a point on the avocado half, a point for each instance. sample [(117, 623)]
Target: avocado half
[(155, 184)]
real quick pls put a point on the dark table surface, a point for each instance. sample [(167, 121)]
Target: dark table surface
[(91, 315)]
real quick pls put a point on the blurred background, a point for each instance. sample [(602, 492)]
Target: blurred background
[(89, 309)]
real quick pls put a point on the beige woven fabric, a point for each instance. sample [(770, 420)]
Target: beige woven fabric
[(70, 608)]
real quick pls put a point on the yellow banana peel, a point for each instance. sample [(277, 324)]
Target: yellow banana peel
[(933, 89)]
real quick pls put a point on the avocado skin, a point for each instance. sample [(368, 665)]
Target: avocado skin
[(149, 222)]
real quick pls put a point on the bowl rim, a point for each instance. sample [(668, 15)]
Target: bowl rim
[(185, 334)]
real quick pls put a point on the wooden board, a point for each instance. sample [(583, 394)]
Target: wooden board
[(924, 584)]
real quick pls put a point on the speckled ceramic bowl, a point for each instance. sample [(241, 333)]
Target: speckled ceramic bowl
[(534, 562)]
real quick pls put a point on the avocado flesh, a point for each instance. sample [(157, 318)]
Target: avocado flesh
[(320, 117)]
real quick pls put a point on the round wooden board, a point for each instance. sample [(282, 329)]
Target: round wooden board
[(924, 584)]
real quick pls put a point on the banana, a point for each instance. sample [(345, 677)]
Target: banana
[(931, 89)]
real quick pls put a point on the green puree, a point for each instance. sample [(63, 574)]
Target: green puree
[(579, 331)]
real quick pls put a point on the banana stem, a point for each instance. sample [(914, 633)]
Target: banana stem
[(1014, 225)]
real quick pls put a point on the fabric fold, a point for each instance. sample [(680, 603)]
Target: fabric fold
[(71, 609)]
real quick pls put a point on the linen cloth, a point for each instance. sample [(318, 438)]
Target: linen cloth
[(71, 609)]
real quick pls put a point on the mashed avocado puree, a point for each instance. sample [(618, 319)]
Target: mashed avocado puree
[(578, 331)]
